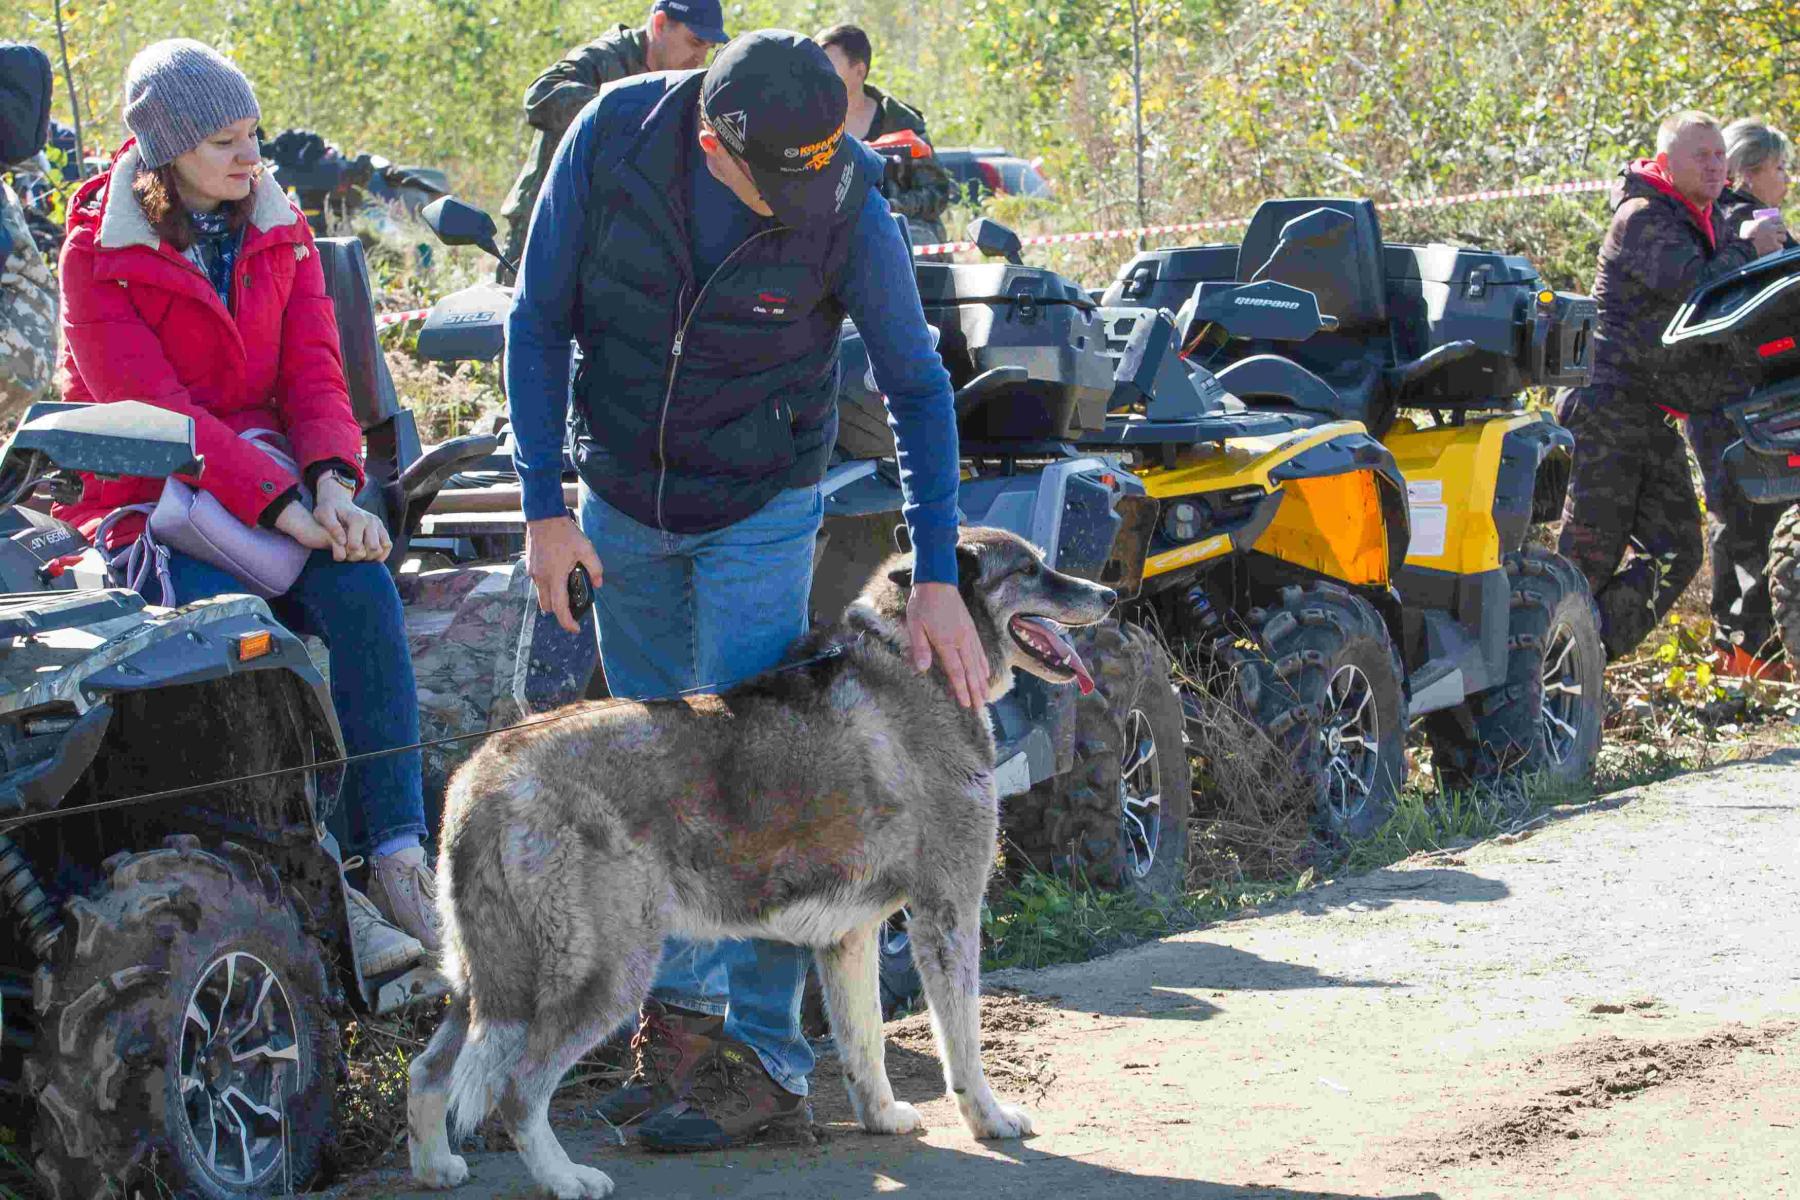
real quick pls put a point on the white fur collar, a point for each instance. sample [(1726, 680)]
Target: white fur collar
[(124, 223)]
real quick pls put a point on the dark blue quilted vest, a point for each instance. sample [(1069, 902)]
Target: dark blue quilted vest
[(698, 400)]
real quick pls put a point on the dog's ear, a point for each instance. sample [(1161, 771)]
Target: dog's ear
[(968, 567), (968, 571), (903, 539)]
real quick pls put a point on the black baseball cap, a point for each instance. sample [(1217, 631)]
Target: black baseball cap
[(704, 17), (773, 97)]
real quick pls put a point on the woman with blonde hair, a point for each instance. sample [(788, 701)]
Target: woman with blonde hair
[(1738, 532)]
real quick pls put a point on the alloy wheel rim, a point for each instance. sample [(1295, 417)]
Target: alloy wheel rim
[(1352, 736), (239, 1061), (1140, 794), (1563, 695)]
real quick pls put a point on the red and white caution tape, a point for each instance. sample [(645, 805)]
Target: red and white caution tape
[(1107, 235), (384, 320), (1519, 193)]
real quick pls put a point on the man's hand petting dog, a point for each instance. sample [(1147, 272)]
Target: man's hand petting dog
[(938, 624), (553, 548)]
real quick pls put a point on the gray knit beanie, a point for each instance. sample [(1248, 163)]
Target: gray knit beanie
[(178, 93)]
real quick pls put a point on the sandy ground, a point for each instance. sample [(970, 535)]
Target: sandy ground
[(1606, 1006)]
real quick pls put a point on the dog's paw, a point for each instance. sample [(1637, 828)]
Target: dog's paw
[(1002, 1121), (450, 1171), (579, 1183), (898, 1117)]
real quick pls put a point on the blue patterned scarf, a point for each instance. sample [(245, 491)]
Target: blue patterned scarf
[(215, 249)]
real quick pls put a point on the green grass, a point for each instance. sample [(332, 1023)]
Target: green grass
[(1042, 920)]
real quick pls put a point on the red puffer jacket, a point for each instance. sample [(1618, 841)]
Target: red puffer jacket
[(142, 322)]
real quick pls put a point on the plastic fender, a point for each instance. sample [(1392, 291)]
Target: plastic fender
[(159, 648), (1331, 518), (42, 785), (1535, 461), (1334, 525), (1238, 462), (1453, 483)]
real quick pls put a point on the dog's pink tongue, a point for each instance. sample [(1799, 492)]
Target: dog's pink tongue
[(1066, 655), (1083, 680)]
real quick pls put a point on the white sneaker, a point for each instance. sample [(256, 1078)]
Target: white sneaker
[(404, 887), (381, 947)]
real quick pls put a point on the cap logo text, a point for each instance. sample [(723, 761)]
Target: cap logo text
[(730, 128), (818, 155)]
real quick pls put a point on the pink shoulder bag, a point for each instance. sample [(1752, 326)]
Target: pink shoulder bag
[(190, 521)]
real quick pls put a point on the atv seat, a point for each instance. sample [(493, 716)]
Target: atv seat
[(1331, 248), (402, 478)]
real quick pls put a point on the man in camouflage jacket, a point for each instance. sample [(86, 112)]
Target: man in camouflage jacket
[(27, 313), (678, 36), (27, 291), (919, 189), (1631, 487)]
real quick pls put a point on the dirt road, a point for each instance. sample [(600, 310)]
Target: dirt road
[(1609, 1006)]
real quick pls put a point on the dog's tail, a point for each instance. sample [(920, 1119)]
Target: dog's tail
[(492, 1051)]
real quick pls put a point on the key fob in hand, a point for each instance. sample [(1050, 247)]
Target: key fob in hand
[(581, 592)]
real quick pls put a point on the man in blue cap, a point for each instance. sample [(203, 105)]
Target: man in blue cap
[(702, 235), (677, 36)]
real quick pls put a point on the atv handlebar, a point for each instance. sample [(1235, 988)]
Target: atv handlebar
[(125, 437)]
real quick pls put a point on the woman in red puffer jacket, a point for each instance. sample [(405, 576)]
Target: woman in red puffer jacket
[(191, 282)]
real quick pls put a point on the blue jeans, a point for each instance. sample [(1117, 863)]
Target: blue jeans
[(355, 609), (680, 612)]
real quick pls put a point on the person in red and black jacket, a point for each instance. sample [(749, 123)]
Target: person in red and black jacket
[(1630, 488), (190, 282)]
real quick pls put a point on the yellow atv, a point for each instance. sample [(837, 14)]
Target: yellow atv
[(1346, 586)]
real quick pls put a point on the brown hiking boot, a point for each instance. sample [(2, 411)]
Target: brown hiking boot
[(668, 1045), (731, 1100)]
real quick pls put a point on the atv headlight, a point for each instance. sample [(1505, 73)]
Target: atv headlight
[(1183, 521)]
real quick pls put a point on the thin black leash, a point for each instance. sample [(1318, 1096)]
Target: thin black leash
[(573, 710)]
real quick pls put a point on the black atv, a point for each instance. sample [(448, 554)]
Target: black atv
[(171, 1000), (1753, 316), (180, 964)]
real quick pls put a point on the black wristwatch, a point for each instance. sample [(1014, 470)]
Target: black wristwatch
[(347, 478)]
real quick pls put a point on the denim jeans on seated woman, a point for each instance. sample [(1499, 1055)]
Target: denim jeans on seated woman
[(702, 611), (355, 609)]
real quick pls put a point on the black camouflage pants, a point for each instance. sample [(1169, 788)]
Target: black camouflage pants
[(1738, 533), (1630, 490)]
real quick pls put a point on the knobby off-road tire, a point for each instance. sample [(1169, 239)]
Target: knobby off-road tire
[(1120, 815), (1784, 582), (1545, 719), (1323, 682), (184, 997)]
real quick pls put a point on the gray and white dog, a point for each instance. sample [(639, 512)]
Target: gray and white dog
[(805, 806)]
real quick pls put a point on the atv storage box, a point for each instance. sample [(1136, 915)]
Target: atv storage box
[(997, 315), (1439, 294), (1166, 278)]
